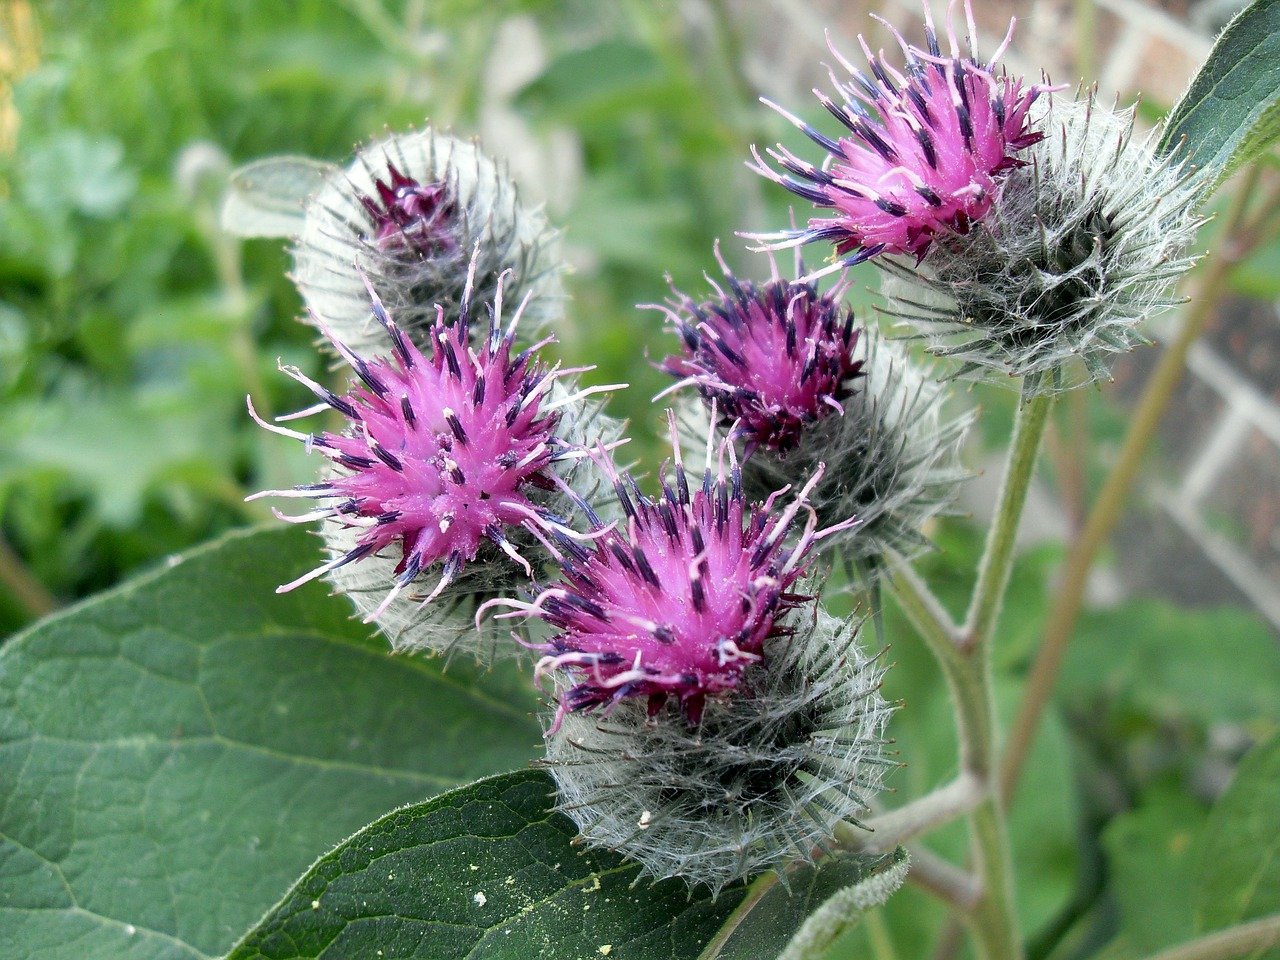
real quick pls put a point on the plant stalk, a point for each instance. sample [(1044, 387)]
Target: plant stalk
[(994, 922), (886, 831), (1238, 941), (997, 556)]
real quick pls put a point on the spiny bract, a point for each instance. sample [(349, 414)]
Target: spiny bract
[(927, 153), (775, 358), (676, 599), (411, 213), (762, 781), (450, 452), (1087, 242)]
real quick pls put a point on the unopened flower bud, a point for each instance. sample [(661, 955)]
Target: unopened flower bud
[(410, 214)]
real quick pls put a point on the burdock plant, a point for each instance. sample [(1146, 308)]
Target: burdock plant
[(710, 777)]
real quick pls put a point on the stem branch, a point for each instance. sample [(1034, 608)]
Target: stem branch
[(958, 889), (886, 831), (1228, 944)]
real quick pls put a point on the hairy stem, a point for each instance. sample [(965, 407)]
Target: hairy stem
[(958, 889), (886, 831), (994, 922), (1238, 941), (925, 611), (997, 557), (1069, 598)]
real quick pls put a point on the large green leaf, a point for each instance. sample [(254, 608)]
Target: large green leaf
[(1231, 112), (173, 754), (484, 871), (1150, 856), (490, 871), (1239, 850)]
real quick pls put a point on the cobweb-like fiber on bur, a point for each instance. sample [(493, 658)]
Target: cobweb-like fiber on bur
[(1087, 241), (479, 214), (761, 782)]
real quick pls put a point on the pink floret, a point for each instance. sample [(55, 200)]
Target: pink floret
[(773, 359), (926, 151), (678, 598), (443, 448)]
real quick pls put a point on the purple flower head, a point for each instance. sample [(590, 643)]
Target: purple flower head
[(676, 599), (773, 358), (443, 448), (406, 215), (925, 153)]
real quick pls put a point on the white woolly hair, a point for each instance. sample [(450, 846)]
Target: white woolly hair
[(760, 783), (447, 625), (892, 460), (1086, 242), (334, 251)]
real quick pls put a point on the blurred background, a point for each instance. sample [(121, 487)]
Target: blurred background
[(131, 329)]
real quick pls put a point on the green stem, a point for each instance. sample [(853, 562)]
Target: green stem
[(925, 611), (1238, 941), (994, 922), (759, 887), (997, 557), (886, 831)]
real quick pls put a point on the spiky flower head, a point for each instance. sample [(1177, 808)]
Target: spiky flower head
[(678, 597), (1087, 241), (761, 782), (775, 358), (891, 456), (409, 214), (925, 152), (449, 456)]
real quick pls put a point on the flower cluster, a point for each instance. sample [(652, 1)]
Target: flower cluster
[(709, 719)]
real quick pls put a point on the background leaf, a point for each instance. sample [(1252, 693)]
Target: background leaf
[(486, 871), (1239, 850), (1231, 112), (265, 197), (174, 753)]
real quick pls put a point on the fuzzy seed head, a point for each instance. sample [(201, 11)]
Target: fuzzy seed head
[(1087, 241), (774, 358), (761, 781), (676, 599), (925, 152), (410, 214)]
